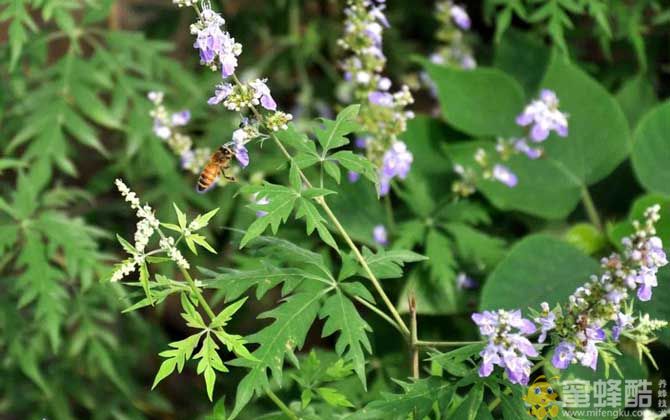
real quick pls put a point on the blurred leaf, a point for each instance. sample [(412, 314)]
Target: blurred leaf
[(481, 102), (651, 150), (538, 268), (586, 237), (636, 97)]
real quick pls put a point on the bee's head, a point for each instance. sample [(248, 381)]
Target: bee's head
[(226, 150)]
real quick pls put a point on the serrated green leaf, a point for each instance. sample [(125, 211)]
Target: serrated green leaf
[(333, 133), (341, 315), (333, 397), (389, 264)]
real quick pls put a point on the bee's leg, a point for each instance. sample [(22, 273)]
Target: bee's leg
[(230, 178)]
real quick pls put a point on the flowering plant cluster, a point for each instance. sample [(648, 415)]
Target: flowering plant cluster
[(541, 116), (383, 116), (596, 316)]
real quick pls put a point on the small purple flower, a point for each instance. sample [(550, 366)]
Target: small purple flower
[(517, 367), (487, 322), (384, 84), (490, 357), (460, 17), (547, 322), (384, 99), (240, 138), (380, 235), (468, 62), (505, 175), (262, 92), (353, 176), (361, 142), (588, 357), (181, 118), (465, 282), (563, 355), (228, 64), (523, 147), (544, 116), (221, 92), (209, 42), (187, 158), (397, 162)]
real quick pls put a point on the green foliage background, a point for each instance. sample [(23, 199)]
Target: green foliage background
[(74, 116)]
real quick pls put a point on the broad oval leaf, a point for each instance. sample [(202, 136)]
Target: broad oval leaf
[(651, 150), (539, 268)]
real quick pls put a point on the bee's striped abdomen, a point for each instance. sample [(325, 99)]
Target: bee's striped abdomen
[(207, 177)]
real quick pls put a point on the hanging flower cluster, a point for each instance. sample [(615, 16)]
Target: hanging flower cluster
[(541, 117), (384, 115), (167, 127), (147, 225), (507, 345), (218, 49), (454, 51), (595, 311)]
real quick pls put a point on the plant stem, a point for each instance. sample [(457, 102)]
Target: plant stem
[(208, 309), (414, 348), (591, 211), (340, 229), (283, 407), (378, 311), (427, 343)]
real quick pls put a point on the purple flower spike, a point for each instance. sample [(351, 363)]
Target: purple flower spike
[(505, 175), (380, 235), (507, 347), (563, 355)]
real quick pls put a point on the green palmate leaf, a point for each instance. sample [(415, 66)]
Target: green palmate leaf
[(389, 264), (416, 400), (144, 280), (356, 163), (40, 285), (181, 217), (293, 319), (333, 397), (332, 170), (481, 102), (210, 362), (233, 283), (202, 220), (177, 356), (539, 268), (458, 362), (226, 315), (191, 315), (314, 220), (307, 154), (651, 149), (333, 133), (281, 201), (341, 315)]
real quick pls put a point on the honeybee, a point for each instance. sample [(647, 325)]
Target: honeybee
[(217, 165)]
